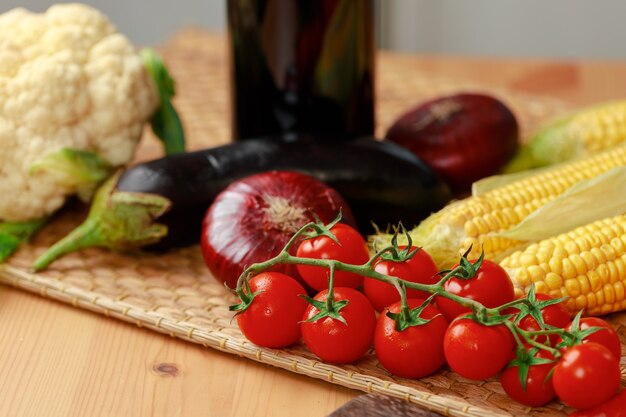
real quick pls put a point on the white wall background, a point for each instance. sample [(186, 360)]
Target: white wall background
[(145, 22), (541, 28), (535, 28)]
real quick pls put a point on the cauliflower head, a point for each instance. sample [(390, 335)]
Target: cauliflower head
[(68, 79)]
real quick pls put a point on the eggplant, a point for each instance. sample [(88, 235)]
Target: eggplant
[(160, 204), (382, 182)]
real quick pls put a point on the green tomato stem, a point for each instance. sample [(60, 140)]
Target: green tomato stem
[(330, 298), (405, 311), (366, 271), (503, 307), (529, 337), (377, 256), (513, 329)]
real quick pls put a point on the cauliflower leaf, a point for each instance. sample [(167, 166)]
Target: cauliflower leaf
[(74, 168), (165, 121), (12, 234)]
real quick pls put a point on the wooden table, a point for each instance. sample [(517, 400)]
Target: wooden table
[(57, 360)]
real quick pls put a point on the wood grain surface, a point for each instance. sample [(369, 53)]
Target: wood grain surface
[(68, 362), (57, 360)]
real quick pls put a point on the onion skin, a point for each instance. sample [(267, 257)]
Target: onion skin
[(463, 137), (254, 217)]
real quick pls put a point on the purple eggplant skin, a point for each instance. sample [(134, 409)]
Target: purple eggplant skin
[(382, 182)]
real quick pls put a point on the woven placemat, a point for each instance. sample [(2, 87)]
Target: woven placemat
[(174, 293)]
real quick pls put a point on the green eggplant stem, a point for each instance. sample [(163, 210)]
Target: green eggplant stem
[(84, 236), (117, 220)]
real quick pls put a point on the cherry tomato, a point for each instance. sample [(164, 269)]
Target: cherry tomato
[(475, 351), (351, 250), (586, 375), (416, 351), (273, 318), (419, 268), (491, 286), (607, 336), (555, 315), (337, 342), (615, 407), (538, 390)]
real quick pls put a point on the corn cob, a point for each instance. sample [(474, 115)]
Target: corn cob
[(587, 265), (447, 234), (590, 130)]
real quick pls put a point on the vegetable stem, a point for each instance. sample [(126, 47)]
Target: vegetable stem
[(367, 271), (117, 220), (165, 122), (84, 236), (12, 234), (405, 311), (330, 298)]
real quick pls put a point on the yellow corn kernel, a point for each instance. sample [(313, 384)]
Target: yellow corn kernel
[(536, 273), (591, 300), (554, 281), (613, 273), (620, 265), (541, 287), (523, 278), (579, 263), (583, 244), (543, 257), (569, 270), (600, 298), (594, 279), (619, 291), (570, 303), (529, 259), (573, 287), (609, 251), (571, 247), (556, 265), (619, 246), (585, 288), (604, 273), (581, 302), (591, 262), (609, 294), (599, 255)]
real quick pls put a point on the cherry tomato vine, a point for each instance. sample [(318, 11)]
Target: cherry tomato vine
[(533, 346)]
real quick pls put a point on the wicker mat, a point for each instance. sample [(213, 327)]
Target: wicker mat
[(175, 294)]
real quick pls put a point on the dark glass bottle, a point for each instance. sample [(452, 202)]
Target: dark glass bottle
[(302, 66)]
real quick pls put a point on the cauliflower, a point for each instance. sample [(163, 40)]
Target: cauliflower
[(68, 80)]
